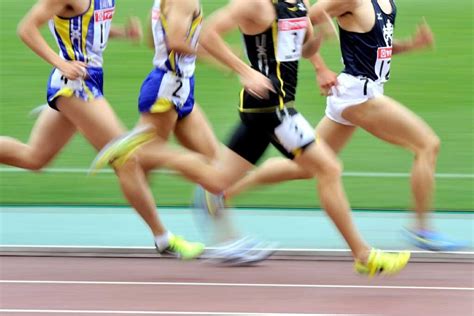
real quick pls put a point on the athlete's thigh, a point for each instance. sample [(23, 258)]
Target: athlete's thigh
[(164, 123), (390, 121), (50, 134), (195, 133), (95, 119), (335, 135)]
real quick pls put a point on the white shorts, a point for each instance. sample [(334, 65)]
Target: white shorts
[(350, 91)]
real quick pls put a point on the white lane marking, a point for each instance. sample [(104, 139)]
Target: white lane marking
[(341, 251), (71, 311), (361, 174), (281, 285)]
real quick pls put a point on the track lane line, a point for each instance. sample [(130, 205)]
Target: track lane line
[(214, 284)]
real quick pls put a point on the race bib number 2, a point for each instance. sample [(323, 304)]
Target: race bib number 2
[(291, 34)]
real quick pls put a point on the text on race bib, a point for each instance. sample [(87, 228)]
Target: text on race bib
[(291, 34)]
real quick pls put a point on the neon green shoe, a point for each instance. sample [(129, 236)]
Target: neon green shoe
[(119, 150), (183, 249), (385, 263)]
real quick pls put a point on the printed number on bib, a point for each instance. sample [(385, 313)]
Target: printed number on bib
[(174, 88), (382, 65), (103, 22), (291, 34), (294, 132)]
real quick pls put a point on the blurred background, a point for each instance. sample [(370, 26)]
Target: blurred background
[(437, 84)]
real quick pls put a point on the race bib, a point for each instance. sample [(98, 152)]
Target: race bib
[(102, 25), (59, 81), (382, 65), (291, 34), (174, 88), (294, 132)]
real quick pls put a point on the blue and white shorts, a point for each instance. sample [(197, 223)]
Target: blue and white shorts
[(86, 89), (163, 90)]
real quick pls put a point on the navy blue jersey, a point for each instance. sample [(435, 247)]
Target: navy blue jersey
[(275, 53), (369, 54)]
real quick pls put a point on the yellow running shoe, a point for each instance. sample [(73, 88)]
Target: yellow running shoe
[(385, 263), (119, 150), (183, 249)]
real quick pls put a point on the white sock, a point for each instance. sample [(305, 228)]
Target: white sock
[(163, 241)]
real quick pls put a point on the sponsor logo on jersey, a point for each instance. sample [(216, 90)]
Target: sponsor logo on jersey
[(104, 15), (388, 33), (301, 6), (292, 24), (384, 53)]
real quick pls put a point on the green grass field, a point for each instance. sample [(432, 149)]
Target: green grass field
[(436, 84)]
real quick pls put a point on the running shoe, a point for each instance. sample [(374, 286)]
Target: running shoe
[(210, 204), (433, 241), (36, 112), (384, 263), (182, 249), (119, 150), (241, 252)]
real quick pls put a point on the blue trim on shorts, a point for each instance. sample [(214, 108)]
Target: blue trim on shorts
[(94, 82), (149, 94)]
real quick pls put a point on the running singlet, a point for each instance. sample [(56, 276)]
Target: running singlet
[(84, 37), (275, 53), (166, 59), (369, 54)]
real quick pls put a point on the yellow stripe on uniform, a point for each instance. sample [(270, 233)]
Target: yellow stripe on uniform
[(197, 21), (275, 47), (86, 19), (241, 107), (171, 55), (161, 105), (62, 28)]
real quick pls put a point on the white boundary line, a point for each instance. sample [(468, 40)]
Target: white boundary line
[(343, 251), (361, 174), (69, 311), (214, 284)]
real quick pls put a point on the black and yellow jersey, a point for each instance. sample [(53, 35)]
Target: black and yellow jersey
[(275, 53)]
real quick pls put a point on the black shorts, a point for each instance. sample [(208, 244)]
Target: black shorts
[(286, 129)]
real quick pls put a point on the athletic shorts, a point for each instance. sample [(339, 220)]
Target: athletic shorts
[(163, 90), (286, 129), (85, 89), (350, 91)]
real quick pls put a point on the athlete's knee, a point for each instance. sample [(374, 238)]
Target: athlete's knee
[(217, 185), (331, 170), (37, 161), (430, 147)]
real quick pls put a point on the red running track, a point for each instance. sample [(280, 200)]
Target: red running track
[(82, 286)]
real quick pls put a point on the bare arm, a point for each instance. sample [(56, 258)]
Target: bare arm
[(422, 38), (220, 23), (223, 21), (150, 41), (28, 31), (132, 30), (179, 15)]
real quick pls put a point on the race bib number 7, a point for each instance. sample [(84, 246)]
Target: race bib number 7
[(291, 34)]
